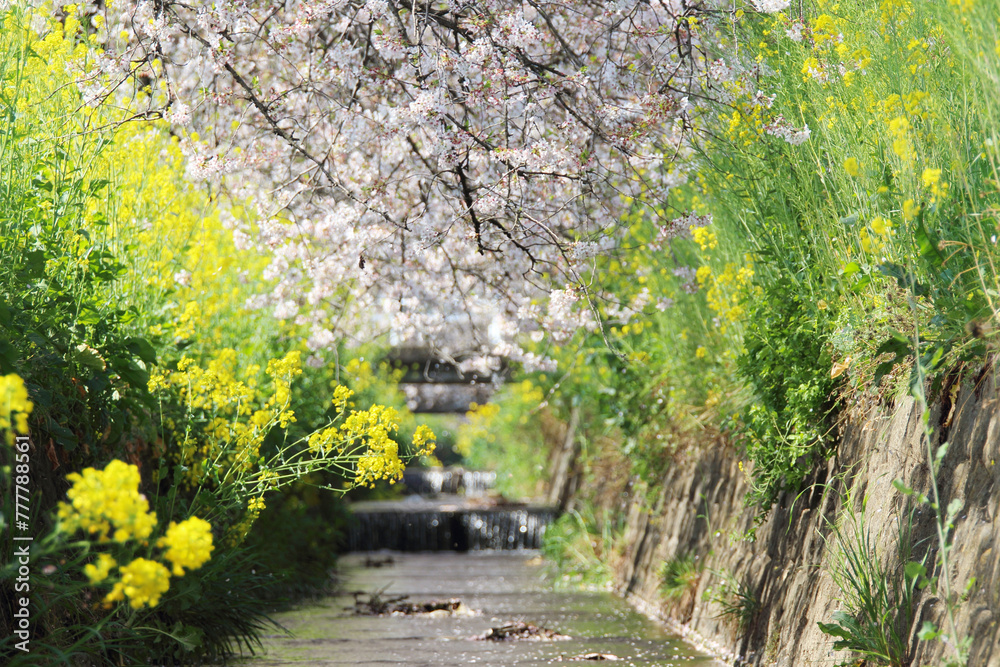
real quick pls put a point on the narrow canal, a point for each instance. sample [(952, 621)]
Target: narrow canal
[(497, 589)]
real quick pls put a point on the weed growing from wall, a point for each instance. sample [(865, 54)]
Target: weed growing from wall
[(878, 599), (737, 601), (679, 576)]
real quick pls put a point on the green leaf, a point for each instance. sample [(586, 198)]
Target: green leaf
[(899, 346), (915, 570), (843, 618), (904, 278), (926, 243), (928, 631), (954, 507), (88, 357), (940, 453), (131, 373), (34, 263), (850, 269), (934, 357), (834, 630), (141, 348), (97, 185), (64, 437), (883, 369), (862, 282), (902, 488)]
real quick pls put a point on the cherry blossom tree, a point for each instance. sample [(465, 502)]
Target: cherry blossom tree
[(444, 172)]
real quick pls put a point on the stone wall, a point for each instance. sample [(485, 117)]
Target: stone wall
[(699, 509)]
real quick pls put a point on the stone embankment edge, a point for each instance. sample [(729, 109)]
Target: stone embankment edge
[(698, 509), (722, 654)]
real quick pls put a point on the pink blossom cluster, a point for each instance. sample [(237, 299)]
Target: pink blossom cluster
[(429, 171), (782, 129)]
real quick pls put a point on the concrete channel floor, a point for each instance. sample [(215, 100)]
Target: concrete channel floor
[(500, 587)]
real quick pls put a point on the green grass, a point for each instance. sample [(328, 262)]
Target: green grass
[(877, 598), (738, 603), (579, 547), (680, 575)]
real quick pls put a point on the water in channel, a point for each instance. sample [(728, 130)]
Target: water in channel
[(498, 588)]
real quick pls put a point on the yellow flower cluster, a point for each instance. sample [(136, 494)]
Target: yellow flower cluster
[(98, 572), (102, 501), (375, 427), (143, 581), (899, 130), (282, 371), (14, 406), (188, 544), (479, 426), (894, 11), (326, 440), (913, 104), (826, 30), (188, 321), (931, 180), (341, 395), (239, 531), (746, 124), (705, 238), (726, 291), (424, 440), (234, 423)]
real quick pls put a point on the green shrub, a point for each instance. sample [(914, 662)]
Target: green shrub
[(787, 363), (680, 575), (511, 434)]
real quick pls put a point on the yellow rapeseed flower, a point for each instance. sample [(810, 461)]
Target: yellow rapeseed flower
[(287, 367), (14, 405), (931, 179), (899, 128), (704, 237), (881, 226), (424, 440), (188, 544), (143, 582), (825, 29), (324, 440), (375, 427), (341, 395), (99, 572), (852, 167), (102, 501)]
